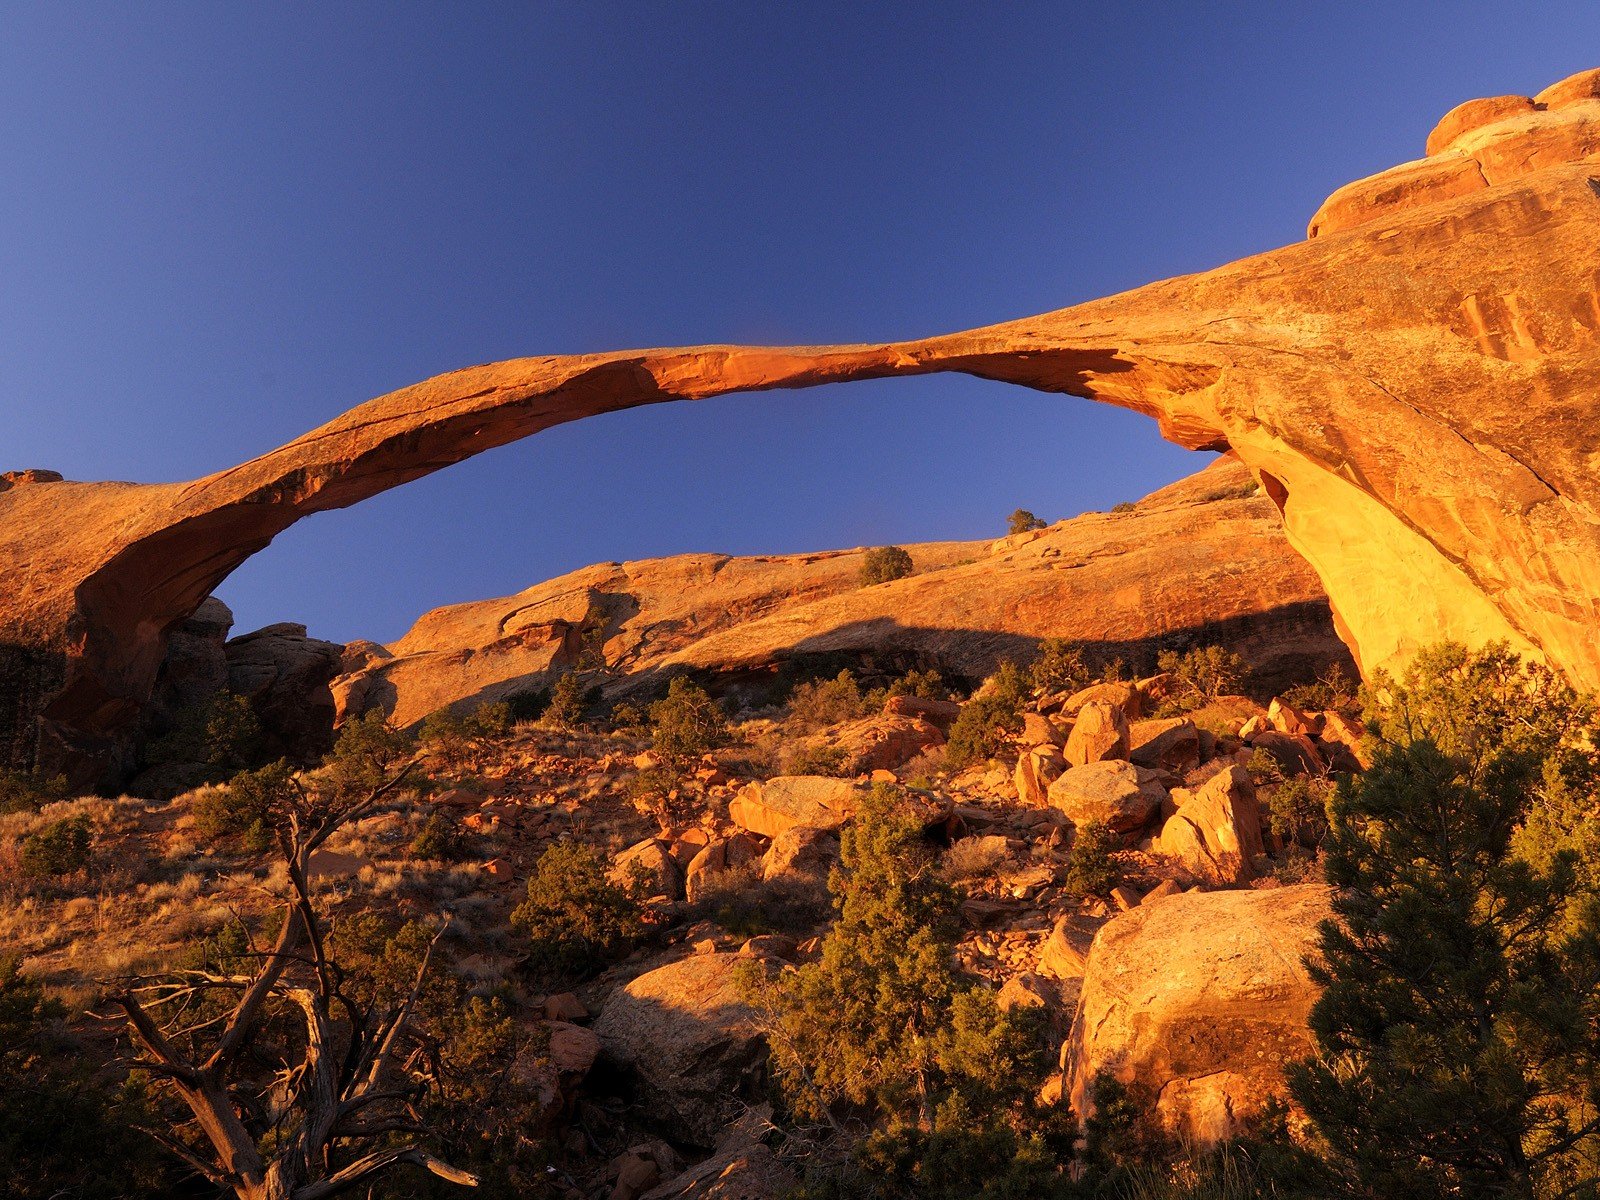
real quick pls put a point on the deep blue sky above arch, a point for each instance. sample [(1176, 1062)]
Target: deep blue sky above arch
[(222, 224)]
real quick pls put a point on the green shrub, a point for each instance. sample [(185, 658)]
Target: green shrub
[(247, 806), (1297, 810), (440, 840), (820, 702), (805, 759), (882, 1022), (988, 719), (21, 791), (59, 848), (222, 733), (884, 563), (1092, 867), (1127, 506), (1060, 667), (1200, 675), (629, 719), (1023, 521), (1334, 690), (688, 723), (747, 905), (925, 685), (567, 702), (576, 919), (65, 1129), (1458, 1029), (459, 740)]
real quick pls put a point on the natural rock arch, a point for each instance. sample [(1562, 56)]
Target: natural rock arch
[(1417, 385)]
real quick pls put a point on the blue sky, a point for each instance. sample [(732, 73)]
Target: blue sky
[(223, 223)]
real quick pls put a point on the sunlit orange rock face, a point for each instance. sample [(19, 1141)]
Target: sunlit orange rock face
[(1203, 560), (1415, 385)]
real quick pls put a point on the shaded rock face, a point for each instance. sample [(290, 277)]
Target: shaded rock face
[(686, 1034), (1414, 387), (285, 674), (1198, 1002)]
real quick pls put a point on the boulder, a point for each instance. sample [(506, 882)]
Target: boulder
[(650, 861), (717, 856), (1215, 834), (1286, 718), (802, 850), (884, 742), (1065, 953), (742, 1168), (285, 674), (1474, 114), (1296, 754), (1117, 793), (1040, 730), (1037, 768), (694, 1047), (941, 714), (1170, 745), (785, 802), (1197, 1003), (1100, 733), (1125, 696)]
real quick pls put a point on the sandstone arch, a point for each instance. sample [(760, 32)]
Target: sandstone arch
[(1417, 384)]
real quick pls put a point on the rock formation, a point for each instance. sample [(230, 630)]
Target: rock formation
[(1201, 560), (1414, 385), (1197, 1002)]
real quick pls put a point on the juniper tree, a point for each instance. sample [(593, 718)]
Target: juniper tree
[(1459, 1027)]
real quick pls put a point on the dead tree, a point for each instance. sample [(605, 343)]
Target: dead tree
[(328, 1119)]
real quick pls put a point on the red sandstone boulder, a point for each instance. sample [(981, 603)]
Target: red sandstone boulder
[(1100, 733), (1197, 1003)]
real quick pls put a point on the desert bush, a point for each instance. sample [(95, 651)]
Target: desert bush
[(1200, 675), (1092, 866), (807, 759), (58, 848), (883, 564), (629, 719), (988, 719), (439, 840), (1333, 690), (222, 733), (1060, 667), (577, 920), (1458, 1030), (882, 1023), (746, 905), (1023, 521), (817, 703), (458, 741), (23, 791), (66, 1128), (1127, 506), (926, 685), (568, 702), (1297, 810), (244, 807), (972, 858), (688, 722)]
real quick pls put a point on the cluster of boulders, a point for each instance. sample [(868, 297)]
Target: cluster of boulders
[(1171, 786), (1185, 981)]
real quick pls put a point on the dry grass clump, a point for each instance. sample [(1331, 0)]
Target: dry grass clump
[(973, 858)]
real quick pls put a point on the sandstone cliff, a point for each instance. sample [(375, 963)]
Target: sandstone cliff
[(1202, 560), (1415, 386)]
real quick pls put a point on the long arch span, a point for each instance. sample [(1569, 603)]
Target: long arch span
[(1417, 385)]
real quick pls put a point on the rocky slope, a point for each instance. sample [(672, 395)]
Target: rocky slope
[(1203, 560), (1414, 385)]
